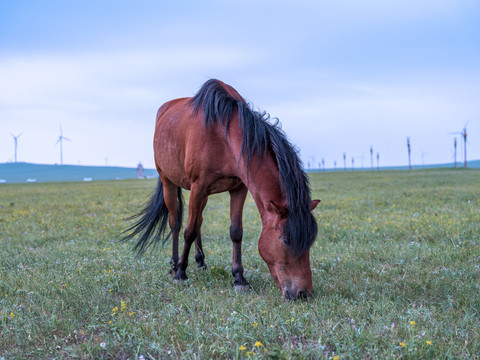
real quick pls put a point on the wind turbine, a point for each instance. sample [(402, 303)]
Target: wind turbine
[(15, 139), (60, 140), (409, 150), (362, 158), (312, 158), (423, 156), (371, 157), (455, 152), (463, 134)]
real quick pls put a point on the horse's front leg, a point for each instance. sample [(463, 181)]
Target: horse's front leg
[(196, 204), (237, 200), (199, 254)]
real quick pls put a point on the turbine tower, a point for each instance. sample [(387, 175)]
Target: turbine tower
[(463, 134), (455, 151), (409, 150), (60, 140), (371, 157), (15, 139), (423, 156)]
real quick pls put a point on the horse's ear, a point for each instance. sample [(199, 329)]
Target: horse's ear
[(314, 204), (280, 210)]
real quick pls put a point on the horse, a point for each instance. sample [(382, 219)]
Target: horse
[(215, 142)]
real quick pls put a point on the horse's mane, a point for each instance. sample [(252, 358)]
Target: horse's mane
[(261, 137)]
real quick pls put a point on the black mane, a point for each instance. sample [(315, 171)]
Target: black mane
[(259, 138)]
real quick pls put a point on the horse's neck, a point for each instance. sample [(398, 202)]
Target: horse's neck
[(262, 177), (263, 182)]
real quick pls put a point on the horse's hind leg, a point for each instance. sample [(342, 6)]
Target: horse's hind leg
[(170, 197), (199, 254), (195, 207), (237, 199)]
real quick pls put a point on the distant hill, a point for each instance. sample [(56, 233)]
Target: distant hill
[(474, 164), (26, 172)]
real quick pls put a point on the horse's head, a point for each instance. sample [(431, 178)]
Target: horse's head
[(291, 273)]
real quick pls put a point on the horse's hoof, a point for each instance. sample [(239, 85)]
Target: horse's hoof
[(180, 275), (242, 288), (202, 266)]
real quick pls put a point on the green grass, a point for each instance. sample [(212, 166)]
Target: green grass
[(396, 271)]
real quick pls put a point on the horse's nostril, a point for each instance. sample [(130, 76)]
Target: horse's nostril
[(288, 295), (302, 295)]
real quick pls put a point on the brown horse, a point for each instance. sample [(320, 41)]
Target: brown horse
[(215, 142)]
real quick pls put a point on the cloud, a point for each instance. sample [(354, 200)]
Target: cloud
[(100, 93), (341, 75)]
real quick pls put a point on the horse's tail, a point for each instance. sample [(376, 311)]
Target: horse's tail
[(151, 222)]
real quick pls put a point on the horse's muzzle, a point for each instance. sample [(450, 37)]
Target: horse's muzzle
[(290, 294)]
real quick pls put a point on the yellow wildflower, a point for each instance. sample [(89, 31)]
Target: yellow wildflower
[(258, 344), (242, 348), (12, 315), (412, 322), (402, 344), (336, 357), (254, 324), (429, 342)]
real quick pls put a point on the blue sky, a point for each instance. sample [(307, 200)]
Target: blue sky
[(340, 75)]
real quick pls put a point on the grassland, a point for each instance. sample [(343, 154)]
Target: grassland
[(396, 275)]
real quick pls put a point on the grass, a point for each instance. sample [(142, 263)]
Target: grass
[(396, 273)]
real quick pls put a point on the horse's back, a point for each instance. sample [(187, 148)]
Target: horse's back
[(187, 151)]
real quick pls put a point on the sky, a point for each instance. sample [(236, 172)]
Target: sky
[(341, 75)]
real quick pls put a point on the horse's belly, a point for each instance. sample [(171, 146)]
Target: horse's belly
[(223, 184)]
